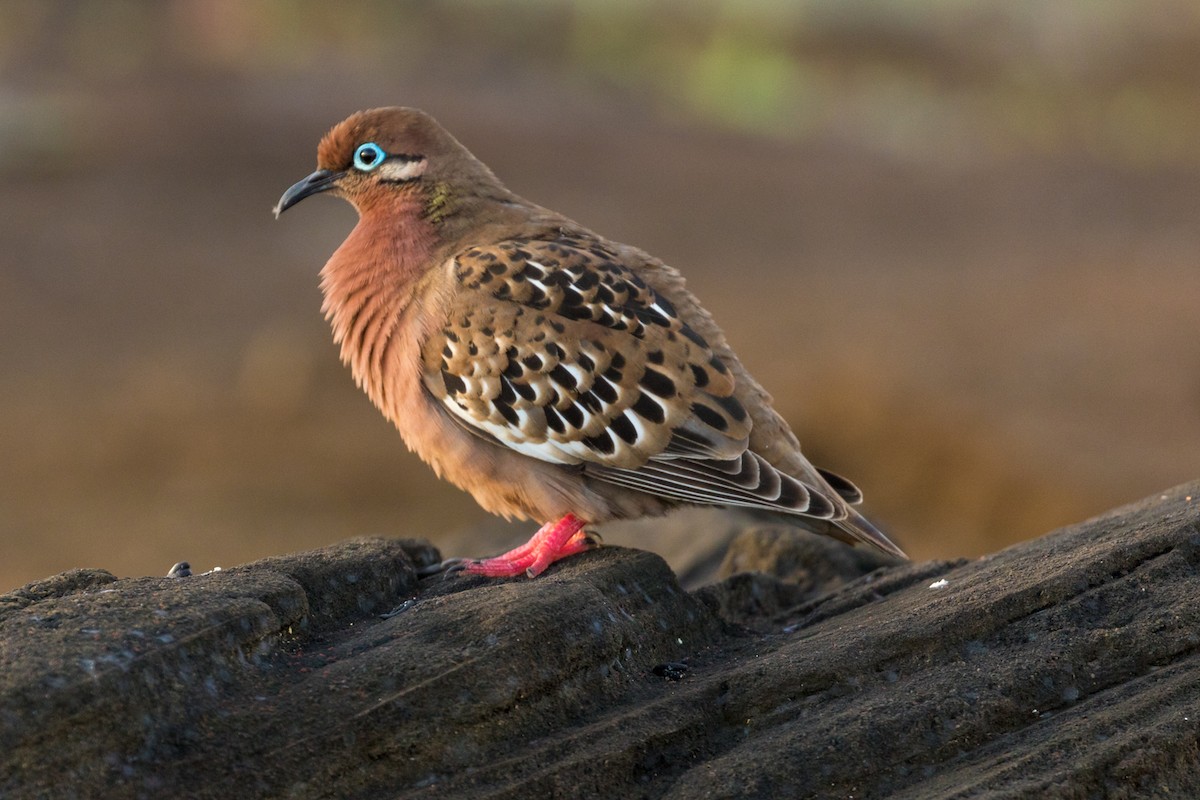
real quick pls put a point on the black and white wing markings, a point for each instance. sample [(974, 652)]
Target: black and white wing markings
[(574, 278), (557, 350)]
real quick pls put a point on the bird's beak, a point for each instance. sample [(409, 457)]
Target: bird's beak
[(320, 181)]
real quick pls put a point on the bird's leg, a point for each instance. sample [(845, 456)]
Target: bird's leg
[(553, 541), (577, 544)]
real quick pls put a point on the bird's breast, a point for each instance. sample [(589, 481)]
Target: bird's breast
[(368, 284)]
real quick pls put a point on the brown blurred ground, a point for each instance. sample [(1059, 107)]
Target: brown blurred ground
[(959, 242)]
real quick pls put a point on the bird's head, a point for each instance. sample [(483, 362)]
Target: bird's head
[(391, 153)]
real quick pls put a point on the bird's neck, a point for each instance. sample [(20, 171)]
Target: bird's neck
[(369, 282)]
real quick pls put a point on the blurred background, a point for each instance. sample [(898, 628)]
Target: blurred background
[(957, 239)]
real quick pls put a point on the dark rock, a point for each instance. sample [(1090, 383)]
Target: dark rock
[(772, 570), (815, 564), (76, 580), (1062, 667)]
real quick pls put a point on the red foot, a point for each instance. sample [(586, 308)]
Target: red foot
[(553, 541)]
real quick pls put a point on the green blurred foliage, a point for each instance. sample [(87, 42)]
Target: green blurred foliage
[(923, 79)]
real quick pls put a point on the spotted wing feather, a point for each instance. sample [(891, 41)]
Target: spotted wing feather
[(559, 351)]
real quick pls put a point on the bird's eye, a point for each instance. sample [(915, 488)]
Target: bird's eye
[(368, 156)]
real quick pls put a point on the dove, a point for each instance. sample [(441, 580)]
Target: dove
[(553, 374)]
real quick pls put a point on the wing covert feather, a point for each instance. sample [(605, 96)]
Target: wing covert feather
[(557, 350)]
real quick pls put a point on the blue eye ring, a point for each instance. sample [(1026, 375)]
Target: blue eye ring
[(368, 156)]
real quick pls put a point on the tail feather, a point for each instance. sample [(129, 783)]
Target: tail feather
[(861, 529), (843, 486)]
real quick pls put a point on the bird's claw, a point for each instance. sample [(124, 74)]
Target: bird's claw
[(446, 567), (451, 565)]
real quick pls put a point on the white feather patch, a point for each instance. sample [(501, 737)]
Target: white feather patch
[(582, 379), (638, 425), (512, 437), (395, 169)]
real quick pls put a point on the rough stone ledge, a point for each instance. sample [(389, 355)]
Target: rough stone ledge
[(1068, 666)]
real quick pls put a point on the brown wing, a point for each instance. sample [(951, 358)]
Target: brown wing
[(559, 351)]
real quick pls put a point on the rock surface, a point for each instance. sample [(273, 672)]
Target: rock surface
[(1062, 667)]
